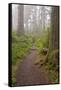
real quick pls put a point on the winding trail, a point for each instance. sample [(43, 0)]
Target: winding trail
[(30, 74)]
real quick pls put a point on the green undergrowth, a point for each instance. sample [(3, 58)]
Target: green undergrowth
[(21, 46), (42, 41), (51, 65), (50, 60)]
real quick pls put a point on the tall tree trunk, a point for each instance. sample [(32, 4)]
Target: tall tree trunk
[(20, 20), (54, 37), (43, 16), (55, 28)]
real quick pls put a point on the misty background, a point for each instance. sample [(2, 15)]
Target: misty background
[(35, 18)]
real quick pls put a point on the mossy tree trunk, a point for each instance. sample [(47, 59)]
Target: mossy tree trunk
[(54, 36)]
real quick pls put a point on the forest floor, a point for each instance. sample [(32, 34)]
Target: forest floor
[(30, 74)]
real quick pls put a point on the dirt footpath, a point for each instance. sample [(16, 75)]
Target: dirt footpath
[(30, 74)]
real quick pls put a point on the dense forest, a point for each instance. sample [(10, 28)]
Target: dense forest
[(36, 28)]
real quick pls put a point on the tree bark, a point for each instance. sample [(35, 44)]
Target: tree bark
[(54, 28), (20, 20)]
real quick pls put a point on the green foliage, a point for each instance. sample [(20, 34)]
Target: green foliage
[(53, 53), (20, 48), (53, 76), (13, 81), (53, 59), (43, 40), (38, 43), (52, 66)]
